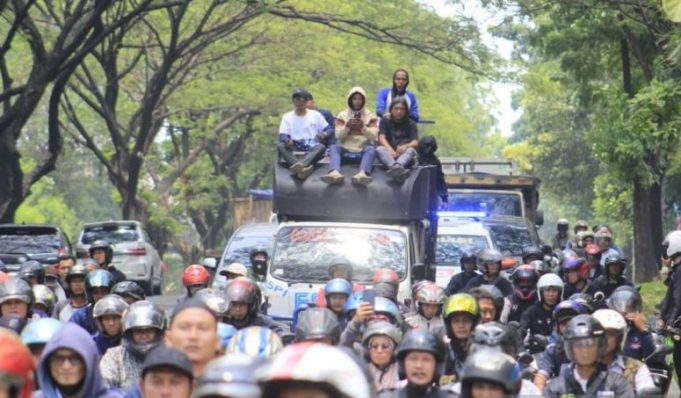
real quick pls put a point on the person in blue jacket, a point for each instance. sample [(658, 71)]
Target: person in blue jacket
[(399, 89), (69, 367)]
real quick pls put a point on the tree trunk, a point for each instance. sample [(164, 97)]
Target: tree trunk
[(11, 179), (646, 208)]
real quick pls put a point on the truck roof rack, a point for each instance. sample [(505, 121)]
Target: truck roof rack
[(380, 201)]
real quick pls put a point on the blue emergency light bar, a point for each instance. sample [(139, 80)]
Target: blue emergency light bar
[(462, 214)]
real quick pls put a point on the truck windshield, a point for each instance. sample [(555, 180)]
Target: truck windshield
[(451, 247), (490, 203), (510, 239), (306, 253)]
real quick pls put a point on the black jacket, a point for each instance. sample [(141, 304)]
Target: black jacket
[(605, 285), (458, 282), (537, 320), (410, 392), (501, 283)]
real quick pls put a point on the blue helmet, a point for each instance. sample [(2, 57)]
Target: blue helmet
[(226, 332), (337, 286), (40, 331), (384, 306), (353, 302), (99, 278)]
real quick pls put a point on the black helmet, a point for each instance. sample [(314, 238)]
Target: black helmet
[(18, 289), (102, 244), (468, 257), (421, 340), (32, 268), (77, 270), (616, 258), (129, 289), (532, 251), (496, 336), (583, 327), (386, 290), (231, 375), (625, 299), (525, 280), (216, 300), (318, 323), (491, 366), (243, 290)]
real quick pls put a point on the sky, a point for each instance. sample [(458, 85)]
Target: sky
[(504, 113)]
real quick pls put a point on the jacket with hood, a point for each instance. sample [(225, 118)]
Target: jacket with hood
[(105, 342), (356, 143), (75, 338)]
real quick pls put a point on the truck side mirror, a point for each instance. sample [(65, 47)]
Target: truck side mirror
[(419, 271), (539, 220), (210, 263), (259, 262)]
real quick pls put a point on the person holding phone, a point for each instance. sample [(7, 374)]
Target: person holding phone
[(356, 129)]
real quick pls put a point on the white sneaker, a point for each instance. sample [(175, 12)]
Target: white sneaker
[(362, 178), (334, 177)]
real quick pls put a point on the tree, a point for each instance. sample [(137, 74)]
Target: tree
[(604, 47), (57, 36)]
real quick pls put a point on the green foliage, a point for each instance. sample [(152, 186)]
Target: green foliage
[(672, 9), (46, 206), (629, 130)]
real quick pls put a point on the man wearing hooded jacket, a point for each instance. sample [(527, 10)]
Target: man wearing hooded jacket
[(69, 367), (356, 130)]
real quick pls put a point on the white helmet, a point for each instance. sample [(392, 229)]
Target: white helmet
[(674, 239), (329, 367), (612, 320), (550, 280)]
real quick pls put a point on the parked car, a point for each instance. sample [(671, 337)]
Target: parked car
[(134, 254), (247, 237), (22, 242)]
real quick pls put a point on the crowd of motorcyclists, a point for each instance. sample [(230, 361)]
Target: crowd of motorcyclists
[(564, 323)]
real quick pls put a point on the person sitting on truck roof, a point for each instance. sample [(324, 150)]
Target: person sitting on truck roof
[(489, 261), (330, 132), (356, 129), (427, 157), (398, 139), (458, 282), (341, 270), (387, 95), (302, 130)]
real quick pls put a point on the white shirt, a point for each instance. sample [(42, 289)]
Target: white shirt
[(302, 127), (582, 382), (642, 379)]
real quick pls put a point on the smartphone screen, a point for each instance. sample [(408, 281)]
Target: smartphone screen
[(370, 297)]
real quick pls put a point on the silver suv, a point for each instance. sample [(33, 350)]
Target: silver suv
[(134, 254)]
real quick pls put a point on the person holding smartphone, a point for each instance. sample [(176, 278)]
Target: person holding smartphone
[(356, 130)]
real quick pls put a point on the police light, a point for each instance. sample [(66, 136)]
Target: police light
[(470, 214)]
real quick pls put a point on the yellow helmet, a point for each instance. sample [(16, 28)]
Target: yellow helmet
[(461, 302)]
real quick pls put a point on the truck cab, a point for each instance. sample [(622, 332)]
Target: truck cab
[(382, 225)]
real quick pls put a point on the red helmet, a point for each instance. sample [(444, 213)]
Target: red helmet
[(195, 275), (16, 366), (386, 275)]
